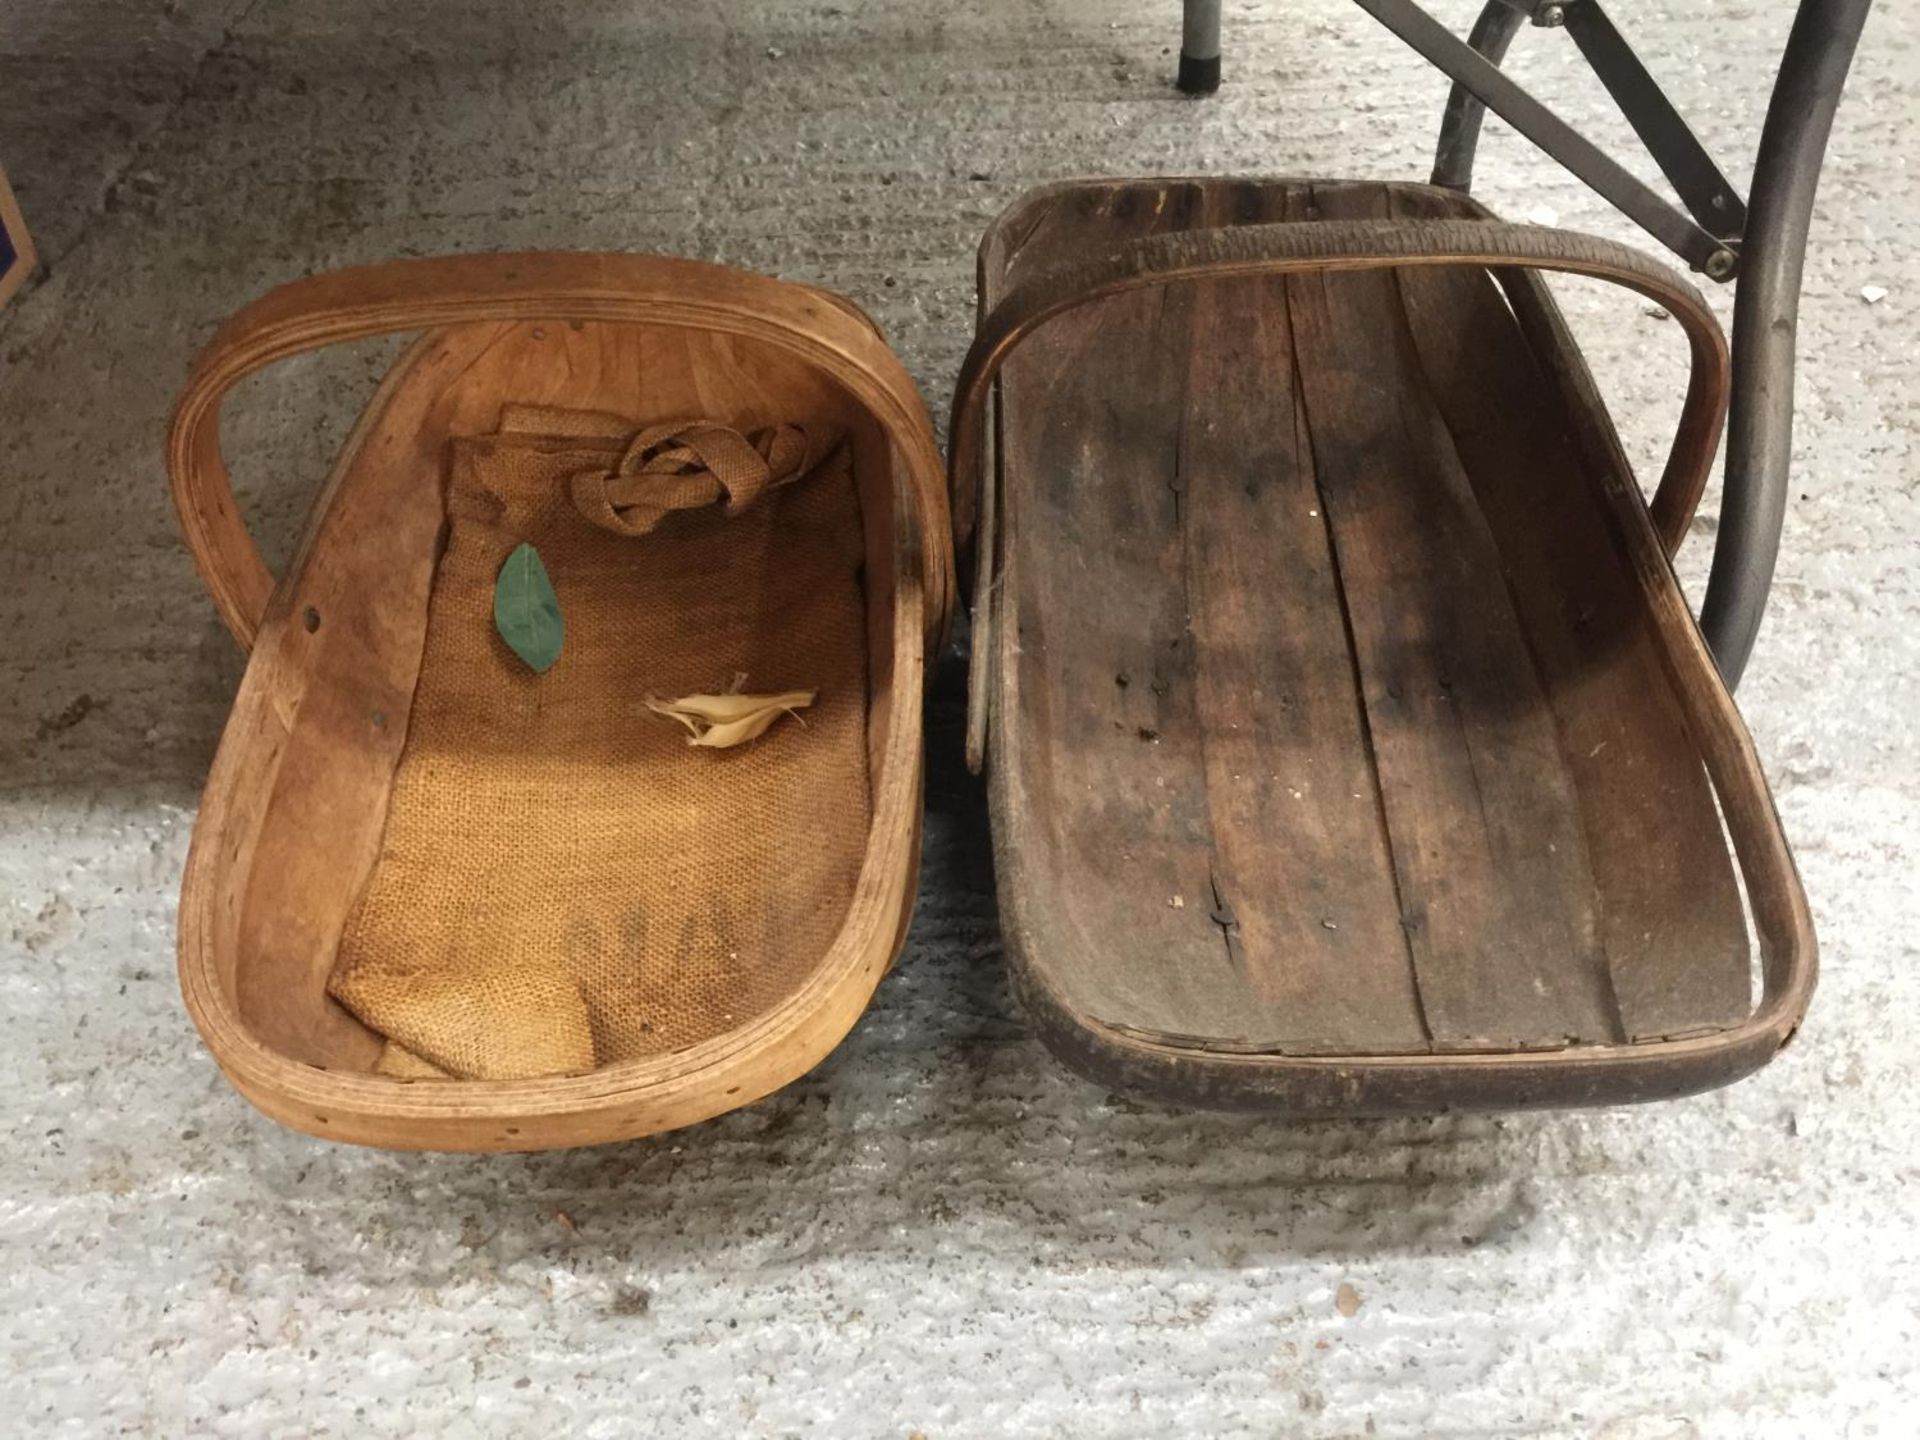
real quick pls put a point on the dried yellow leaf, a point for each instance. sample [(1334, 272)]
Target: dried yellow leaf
[(719, 722)]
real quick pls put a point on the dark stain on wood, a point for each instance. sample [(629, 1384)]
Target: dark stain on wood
[(1419, 779)]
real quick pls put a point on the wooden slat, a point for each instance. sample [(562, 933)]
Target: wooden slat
[(1230, 771), (1496, 894), (1301, 851), (1670, 912), (1111, 763), (1541, 854)]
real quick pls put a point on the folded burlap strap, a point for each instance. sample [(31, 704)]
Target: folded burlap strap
[(688, 465)]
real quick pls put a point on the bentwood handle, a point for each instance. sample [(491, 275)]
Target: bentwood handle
[(1292, 247), (425, 294)]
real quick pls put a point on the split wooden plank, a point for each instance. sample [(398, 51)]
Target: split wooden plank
[(1670, 913), (1304, 868), (1112, 770), (1496, 894)]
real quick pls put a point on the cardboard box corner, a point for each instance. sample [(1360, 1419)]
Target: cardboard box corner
[(17, 258)]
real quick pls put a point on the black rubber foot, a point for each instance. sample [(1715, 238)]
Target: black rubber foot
[(1199, 77)]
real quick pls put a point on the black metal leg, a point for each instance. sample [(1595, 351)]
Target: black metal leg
[(1200, 47), (1492, 33), (1765, 315)]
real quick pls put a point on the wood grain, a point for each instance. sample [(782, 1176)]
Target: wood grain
[(1466, 631), (1103, 647), (1668, 901), (1495, 892), (296, 803), (1282, 729)]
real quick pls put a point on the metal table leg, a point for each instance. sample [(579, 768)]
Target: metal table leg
[(1492, 33), (1765, 318), (1768, 241), (1200, 47)]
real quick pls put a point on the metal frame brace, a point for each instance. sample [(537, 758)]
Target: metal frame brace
[(1761, 241), (1707, 237)]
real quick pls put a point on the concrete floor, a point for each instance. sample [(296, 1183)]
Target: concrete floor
[(939, 1231)]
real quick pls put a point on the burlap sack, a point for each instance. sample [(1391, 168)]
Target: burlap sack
[(564, 882)]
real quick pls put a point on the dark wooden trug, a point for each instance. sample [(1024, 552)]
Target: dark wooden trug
[(1332, 715)]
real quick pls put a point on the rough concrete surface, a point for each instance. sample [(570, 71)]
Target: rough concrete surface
[(938, 1231)]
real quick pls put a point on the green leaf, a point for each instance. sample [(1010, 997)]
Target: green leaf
[(526, 611)]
